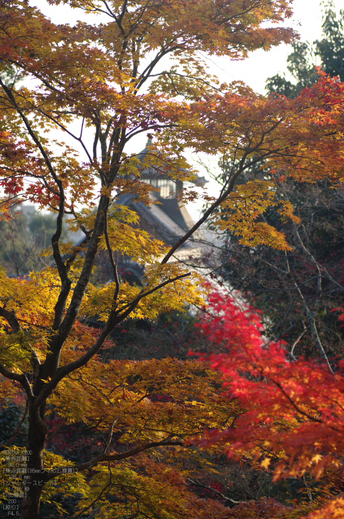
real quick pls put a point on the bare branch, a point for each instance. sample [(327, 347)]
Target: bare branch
[(169, 441), (11, 318), (21, 378)]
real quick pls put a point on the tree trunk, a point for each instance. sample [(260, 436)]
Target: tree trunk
[(34, 482)]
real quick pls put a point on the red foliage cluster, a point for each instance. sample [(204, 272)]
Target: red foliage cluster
[(292, 411)]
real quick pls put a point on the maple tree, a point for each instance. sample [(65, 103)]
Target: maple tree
[(291, 417), (104, 79)]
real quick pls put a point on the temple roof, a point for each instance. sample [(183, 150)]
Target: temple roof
[(165, 218), (154, 173)]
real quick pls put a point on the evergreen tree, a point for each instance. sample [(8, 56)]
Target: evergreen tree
[(303, 61)]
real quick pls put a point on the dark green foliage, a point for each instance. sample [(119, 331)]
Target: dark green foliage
[(23, 238), (331, 48), (15, 252), (328, 53)]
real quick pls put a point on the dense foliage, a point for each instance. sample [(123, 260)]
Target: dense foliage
[(291, 418), (117, 436)]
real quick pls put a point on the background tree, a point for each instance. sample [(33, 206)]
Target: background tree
[(327, 53), (23, 237), (297, 290)]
